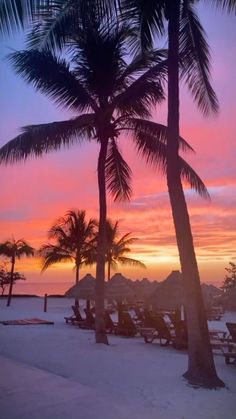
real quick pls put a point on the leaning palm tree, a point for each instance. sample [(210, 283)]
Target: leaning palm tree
[(117, 248), (73, 239), (15, 249), (108, 96), (188, 58)]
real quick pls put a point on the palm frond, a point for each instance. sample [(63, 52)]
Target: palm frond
[(129, 261), (52, 254), (17, 14), (51, 31), (118, 173), (99, 59), (191, 177), (146, 91), (17, 248), (228, 5), (155, 154), (144, 60), (195, 60), (37, 140), (155, 131), (52, 77), (146, 16)]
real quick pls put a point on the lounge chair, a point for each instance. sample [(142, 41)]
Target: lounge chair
[(126, 326), (74, 318), (139, 315), (89, 322), (232, 331), (159, 330), (111, 327)]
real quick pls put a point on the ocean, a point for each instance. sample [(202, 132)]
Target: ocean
[(41, 288)]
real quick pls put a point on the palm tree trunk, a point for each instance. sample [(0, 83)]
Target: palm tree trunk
[(77, 281), (77, 274), (108, 271), (11, 283), (100, 330), (201, 369)]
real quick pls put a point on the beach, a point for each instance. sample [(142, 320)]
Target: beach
[(58, 371)]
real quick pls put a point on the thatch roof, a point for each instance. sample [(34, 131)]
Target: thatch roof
[(85, 289), (118, 288), (210, 293), (144, 288), (169, 293)]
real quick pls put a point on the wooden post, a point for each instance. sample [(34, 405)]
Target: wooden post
[(45, 303)]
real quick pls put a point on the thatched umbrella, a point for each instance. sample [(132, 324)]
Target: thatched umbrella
[(169, 294), (144, 288), (119, 289), (85, 289), (210, 293)]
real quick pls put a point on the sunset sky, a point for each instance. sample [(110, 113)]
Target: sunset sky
[(36, 193)]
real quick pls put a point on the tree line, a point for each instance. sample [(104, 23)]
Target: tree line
[(72, 239)]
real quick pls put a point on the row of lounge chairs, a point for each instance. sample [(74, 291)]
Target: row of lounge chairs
[(155, 326)]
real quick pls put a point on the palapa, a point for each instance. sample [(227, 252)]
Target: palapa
[(85, 289), (118, 289)]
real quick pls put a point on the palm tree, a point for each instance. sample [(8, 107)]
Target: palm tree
[(118, 247), (74, 238), (15, 249), (188, 57), (108, 96)]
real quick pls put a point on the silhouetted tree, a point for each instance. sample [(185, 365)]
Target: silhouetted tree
[(230, 278), (118, 248), (15, 249), (73, 239)]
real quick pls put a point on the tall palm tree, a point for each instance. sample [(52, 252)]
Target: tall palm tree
[(109, 96), (73, 242), (15, 249), (188, 57), (117, 247)]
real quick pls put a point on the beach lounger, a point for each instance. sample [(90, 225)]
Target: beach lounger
[(232, 331), (229, 353), (126, 326), (159, 331), (76, 317), (111, 327)]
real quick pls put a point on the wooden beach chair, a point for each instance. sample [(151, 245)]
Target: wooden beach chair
[(126, 326), (76, 317), (111, 327), (159, 331)]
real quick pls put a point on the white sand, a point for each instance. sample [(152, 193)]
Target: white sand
[(58, 371)]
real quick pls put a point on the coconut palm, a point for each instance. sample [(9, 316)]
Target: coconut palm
[(117, 248), (188, 58), (15, 249), (108, 96), (73, 239)]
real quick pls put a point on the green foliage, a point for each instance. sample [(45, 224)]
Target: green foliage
[(230, 278)]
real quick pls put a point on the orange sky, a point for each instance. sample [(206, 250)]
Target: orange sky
[(34, 194)]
